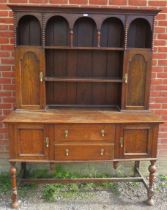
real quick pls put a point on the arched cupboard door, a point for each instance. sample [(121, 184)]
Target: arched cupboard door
[(137, 79), (29, 74)]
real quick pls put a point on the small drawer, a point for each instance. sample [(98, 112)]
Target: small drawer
[(79, 152), (87, 132)]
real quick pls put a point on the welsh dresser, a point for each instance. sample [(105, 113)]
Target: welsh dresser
[(82, 89)]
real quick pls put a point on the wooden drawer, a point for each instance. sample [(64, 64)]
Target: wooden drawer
[(87, 132), (84, 152)]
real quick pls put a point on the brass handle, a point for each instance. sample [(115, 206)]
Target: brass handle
[(102, 133), (66, 133), (126, 78), (121, 141), (41, 76), (102, 152), (47, 142), (67, 152)]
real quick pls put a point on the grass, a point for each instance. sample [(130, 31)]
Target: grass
[(5, 185), (4, 182), (52, 192)]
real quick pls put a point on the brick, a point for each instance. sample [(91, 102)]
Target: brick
[(155, 106), (5, 106), (4, 54), (162, 36), (162, 62), (78, 1), (156, 81), (5, 68), (7, 61), (11, 27), (58, 1), (162, 49), (162, 23), (6, 20), (18, 1), (157, 69), (159, 100), (159, 30), (4, 27), (164, 146), (9, 100), (98, 2), (137, 2), (9, 87), (6, 111), (160, 42), (4, 40), (160, 87), (118, 2), (155, 93), (163, 141), (4, 7), (7, 47), (5, 80), (8, 74), (6, 34), (161, 16), (5, 93), (160, 56), (162, 75), (4, 13), (39, 1), (164, 106), (157, 3)]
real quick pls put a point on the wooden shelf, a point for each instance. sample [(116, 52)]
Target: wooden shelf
[(89, 106), (96, 80), (84, 48)]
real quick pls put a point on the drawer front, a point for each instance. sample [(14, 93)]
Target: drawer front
[(86, 132), (79, 152)]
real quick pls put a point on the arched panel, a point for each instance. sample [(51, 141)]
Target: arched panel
[(30, 68), (29, 31), (57, 31), (112, 33), (140, 34), (85, 32), (137, 81)]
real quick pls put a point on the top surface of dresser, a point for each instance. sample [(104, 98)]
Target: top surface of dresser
[(81, 116)]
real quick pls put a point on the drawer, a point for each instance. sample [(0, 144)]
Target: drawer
[(79, 152), (87, 132)]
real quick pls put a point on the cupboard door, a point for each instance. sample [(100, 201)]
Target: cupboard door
[(29, 77), (138, 141), (32, 142), (137, 79)]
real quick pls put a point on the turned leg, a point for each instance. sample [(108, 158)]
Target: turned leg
[(24, 169), (14, 187), (52, 167), (115, 164), (136, 166), (150, 192)]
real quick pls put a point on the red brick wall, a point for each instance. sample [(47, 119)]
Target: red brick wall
[(158, 99)]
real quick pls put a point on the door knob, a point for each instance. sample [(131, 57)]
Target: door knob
[(102, 152), (66, 133), (102, 132), (67, 152)]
